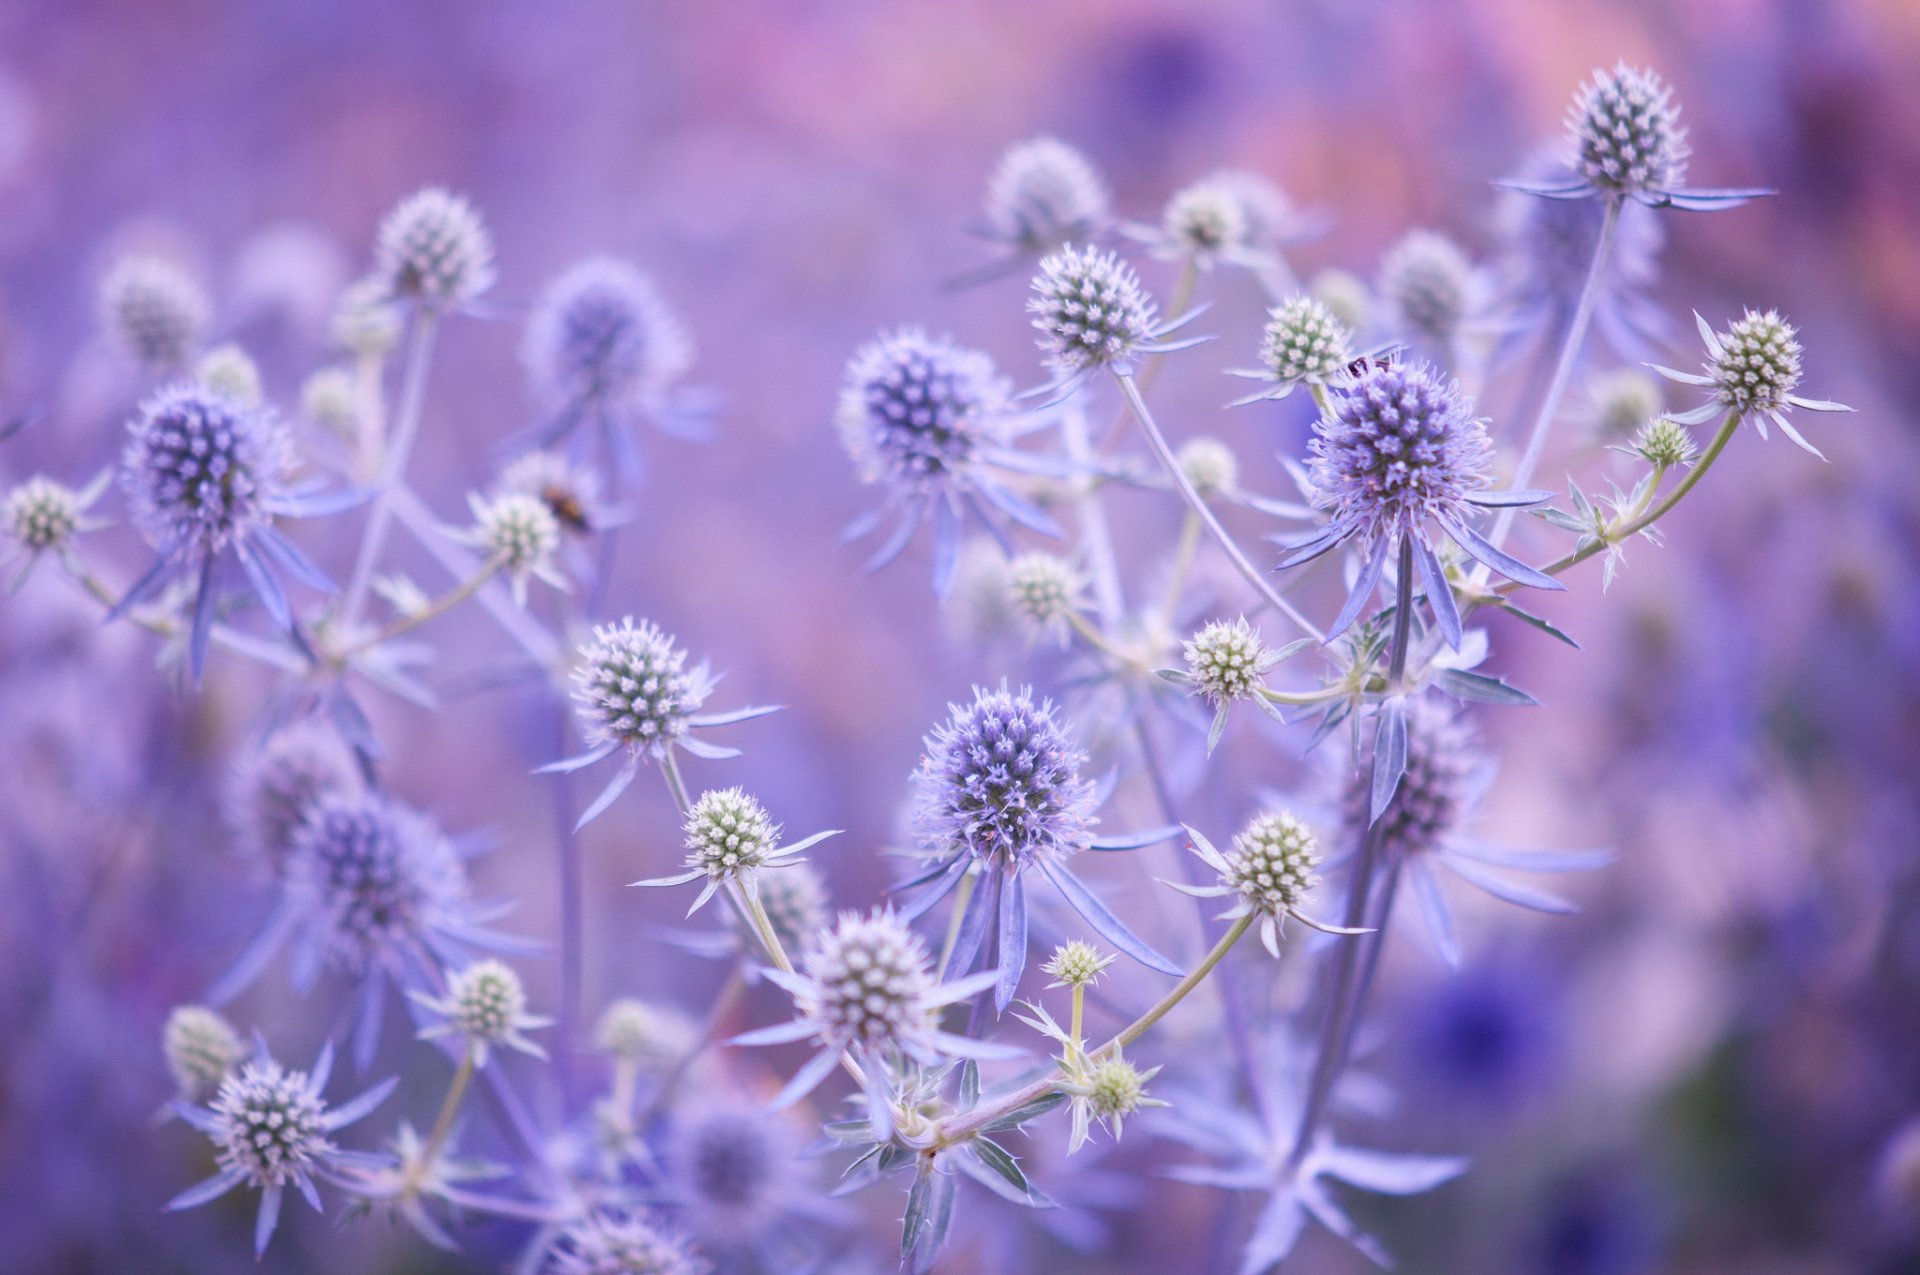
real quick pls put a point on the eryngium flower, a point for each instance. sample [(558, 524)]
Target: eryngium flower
[(1304, 343), (519, 532), (229, 370), (154, 311), (1269, 870), (867, 987), (606, 1244), (1663, 443), (1045, 588), (1091, 311), (278, 781), (730, 837), (1205, 220), (330, 400), (1430, 288), (1000, 786), (270, 1129), (1623, 402), (365, 320), (1076, 963), (635, 692), (1227, 662), (633, 1031), (602, 338), (433, 249), (1209, 465), (1044, 194), (42, 516), (735, 1171), (1752, 370), (205, 474), (1400, 449), (930, 419), (1627, 143), (201, 1048), (487, 1004), (570, 492)]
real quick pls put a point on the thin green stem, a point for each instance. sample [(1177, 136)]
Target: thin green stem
[(443, 1123), (433, 610), (413, 395), (763, 928), (1182, 564), (670, 767)]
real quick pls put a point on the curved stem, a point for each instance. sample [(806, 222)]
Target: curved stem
[(572, 924), (443, 1123), (433, 610), (670, 767), (1171, 465), (413, 395)]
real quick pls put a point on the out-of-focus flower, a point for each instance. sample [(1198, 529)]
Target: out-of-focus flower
[(634, 1031), (571, 492), (621, 1244), (1044, 194), (1345, 294), (434, 250), (1432, 292), (519, 531), (42, 516), (328, 399), (1623, 402), (1045, 589), (229, 370), (154, 311), (278, 781), (1752, 370), (365, 321), (201, 1049)]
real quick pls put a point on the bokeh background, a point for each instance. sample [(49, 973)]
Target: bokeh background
[(1707, 1071)]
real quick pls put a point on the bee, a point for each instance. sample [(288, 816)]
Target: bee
[(567, 508)]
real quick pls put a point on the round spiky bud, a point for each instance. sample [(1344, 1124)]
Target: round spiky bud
[(42, 514), (1304, 341), (329, 400), (603, 334), (1626, 132), (728, 833), (365, 320), (1435, 790), (200, 469), (1206, 219), (1115, 1089), (1346, 295), (1623, 401), (1043, 586), (374, 878), (1272, 863), (1227, 661), (915, 409), (634, 685), (795, 901), (1665, 443), (1264, 209), (268, 1124), (1209, 465), (607, 1245), (1044, 193), (1002, 777), (276, 784), (486, 1001), (518, 530), (1076, 963), (1090, 309), (153, 310), (201, 1048), (229, 370), (869, 981), (635, 1032), (433, 249), (1428, 282), (571, 492), (1400, 446), (1758, 365)]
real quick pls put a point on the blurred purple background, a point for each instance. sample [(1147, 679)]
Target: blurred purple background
[(1699, 1074)]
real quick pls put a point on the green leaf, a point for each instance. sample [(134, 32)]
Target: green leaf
[(918, 1197), (1478, 686), (1020, 1115), (995, 1157), (1539, 623), (969, 1085)]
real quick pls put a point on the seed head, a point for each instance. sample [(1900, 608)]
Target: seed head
[(1623, 401), (366, 322), (1002, 778), (1428, 283), (42, 514), (1076, 963), (634, 1032), (1758, 365), (1043, 194), (1090, 309), (201, 1048), (1665, 443), (1227, 661), (276, 784), (433, 249), (729, 833), (1206, 219), (201, 469), (869, 981), (610, 1245), (269, 1124), (154, 311), (916, 409), (603, 335), (1436, 790), (1272, 863), (374, 877), (229, 370), (1626, 132), (1304, 341), (1401, 445), (1209, 465), (1043, 586), (634, 686), (329, 400)]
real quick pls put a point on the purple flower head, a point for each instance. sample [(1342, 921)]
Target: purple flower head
[(609, 1244), (154, 311), (737, 1174), (1752, 371), (602, 336), (1043, 194), (277, 782), (1091, 311), (433, 249)]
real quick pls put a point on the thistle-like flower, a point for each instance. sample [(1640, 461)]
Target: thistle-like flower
[(1400, 449), (154, 311), (42, 516), (518, 531), (1112, 1090), (1207, 222), (867, 987), (636, 693), (1210, 466), (1000, 789), (201, 1049), (1092, 315), (570, 492), (634, 1032), (205, 476), (433, 250), (1627, 143), (270, 1129), (621, 1244), (1076, 963), (1752, 370), (1269, 870), (1431, 290), (1227, 664), (1044, 194), (933, 421), (1664, 444), (328, 399), (486, 1004), (229, 370), (1045, 589), (736, 1173), (1304, 343), (1623, 402), (731, 839), (366, 322), (276, 783)]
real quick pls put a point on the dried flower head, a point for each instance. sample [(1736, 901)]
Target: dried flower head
[(229, 370), (433, 249), (154, 311), (201, 1048), (1043, 194), (487, 1005), (603, 336), (730, 838), (1227, 661), (1268, 871), (1090, 310)]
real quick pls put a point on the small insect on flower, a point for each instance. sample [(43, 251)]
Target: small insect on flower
[(1627, 143), (520, 534), (1399, 449), (278, 781), (731, 839), (42, 516), (1304, 343), (1000, 790), (621, 1244), (1752, 370), (205, 477), (570, 492), (433, 250), (634, 691), (1270, 870), (154, 311), (201, 1049), (487, 1005), (1093, 314), (270, 1129), (933, 421)]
